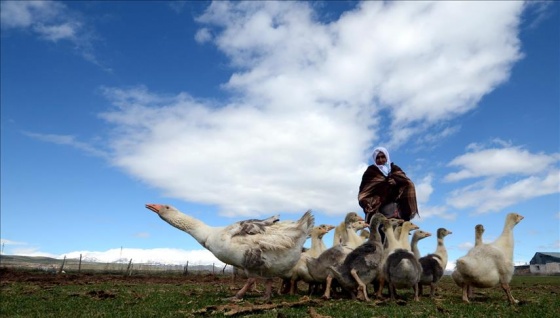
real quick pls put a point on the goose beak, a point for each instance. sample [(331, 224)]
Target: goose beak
[(154, 207)]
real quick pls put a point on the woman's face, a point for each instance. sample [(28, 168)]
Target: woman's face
[(380, 159)]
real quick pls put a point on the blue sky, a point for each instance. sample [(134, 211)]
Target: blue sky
[(231, 111)]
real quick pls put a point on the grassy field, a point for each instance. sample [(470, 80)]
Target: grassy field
[(28, 293)]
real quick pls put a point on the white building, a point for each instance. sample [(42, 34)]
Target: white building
[(545, 263)]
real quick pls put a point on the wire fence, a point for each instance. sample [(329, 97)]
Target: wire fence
[(122, 266)]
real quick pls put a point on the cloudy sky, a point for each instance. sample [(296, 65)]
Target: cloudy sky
[(240, 110)]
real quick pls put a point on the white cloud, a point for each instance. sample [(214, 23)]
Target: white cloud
[(432, 71), (23, 14), (487, 196), (203, 35), (10, 242), (51, 21), (30, 251), (465, 246), (299, 131), (500, 162), (58, 32), (69, 141), (244, 159), (442, 212), (424, 189), (308, 98), (509, 175)]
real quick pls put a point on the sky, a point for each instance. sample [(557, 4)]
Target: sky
[(238, 110)]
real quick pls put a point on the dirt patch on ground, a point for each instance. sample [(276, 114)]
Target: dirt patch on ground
[(10, 275)]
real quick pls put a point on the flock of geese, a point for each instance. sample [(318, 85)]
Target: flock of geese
[(380, 254)]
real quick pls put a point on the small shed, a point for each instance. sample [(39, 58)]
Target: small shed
[(547, 263)]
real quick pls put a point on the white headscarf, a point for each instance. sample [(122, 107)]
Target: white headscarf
[(386, 168)]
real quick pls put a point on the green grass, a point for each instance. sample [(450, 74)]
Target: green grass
[(35, 294)]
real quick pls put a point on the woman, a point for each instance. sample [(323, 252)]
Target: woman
[(385, 188)]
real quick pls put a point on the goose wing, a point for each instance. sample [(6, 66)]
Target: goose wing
[(253, 226)]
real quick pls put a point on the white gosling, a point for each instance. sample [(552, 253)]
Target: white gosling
[(405, 232), (341, 229), (488, 265), (300, 271), (478, 231)]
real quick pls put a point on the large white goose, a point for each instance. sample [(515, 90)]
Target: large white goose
[(262, 248), (487, 265)]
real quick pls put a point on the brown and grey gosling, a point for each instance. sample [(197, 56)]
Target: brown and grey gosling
[(401, 269), (417, 236), (334, 256), (363, 264), (478, 231), (433, 265)]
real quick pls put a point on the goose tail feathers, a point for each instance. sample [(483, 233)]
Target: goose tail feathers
[(306, 222)]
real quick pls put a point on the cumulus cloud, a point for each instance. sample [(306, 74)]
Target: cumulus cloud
[(498, 162), (310, 98), (509, 175), (413, 59), (238, 156)]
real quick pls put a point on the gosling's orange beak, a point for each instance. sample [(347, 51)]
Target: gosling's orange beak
[(154, 207)]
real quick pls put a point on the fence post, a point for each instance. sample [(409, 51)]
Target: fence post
[(62, 266), (80, 264), (186, 269), (129, 268)]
